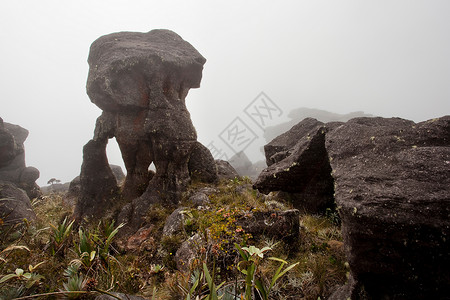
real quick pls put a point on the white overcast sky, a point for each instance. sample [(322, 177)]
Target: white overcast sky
[(384, 57)]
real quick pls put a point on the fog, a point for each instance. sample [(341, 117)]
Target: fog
[(386, 58)]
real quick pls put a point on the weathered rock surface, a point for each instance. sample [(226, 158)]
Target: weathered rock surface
[(73, 188), (98, 186), (15, 206), (273, 224), (12, 159), (200, 196), (198, 199), (391, 182), (174, 222), (142, 240), (201, 164), (392, 185), (298, 164), (225, 170), (188, 252), (140, 81)]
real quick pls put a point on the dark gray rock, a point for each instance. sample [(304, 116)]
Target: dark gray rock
[(19, 133), (391, 183), (8, 147), (174, 223), (12, 159), (225, 170), (188, 252), (299, 166), (15, 206), (201, 164), (199, 199), (273, 224), (140, 81), (74, 187), (29, 175), (392, 188), (199, 196), (98, 186), (123, 66), (282, 146), (27, 181)]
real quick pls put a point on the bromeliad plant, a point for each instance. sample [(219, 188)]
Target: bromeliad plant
[(252, 257), (96, 245), (29, 279), (60, 235)]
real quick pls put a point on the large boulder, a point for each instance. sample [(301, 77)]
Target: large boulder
[(281, 146), (298, 164), (15, 206), (12, 159), (140, 81), (73, 188), (201, 164), (273, 224), (392, 187)]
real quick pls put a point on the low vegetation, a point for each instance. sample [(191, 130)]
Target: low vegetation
[(54, 259)]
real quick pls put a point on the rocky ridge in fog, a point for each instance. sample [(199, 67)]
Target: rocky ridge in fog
[(140, 81)]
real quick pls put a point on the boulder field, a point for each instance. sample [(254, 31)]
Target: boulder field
[(390, 180)]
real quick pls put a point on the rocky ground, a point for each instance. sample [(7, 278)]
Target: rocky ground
[(161, 259)]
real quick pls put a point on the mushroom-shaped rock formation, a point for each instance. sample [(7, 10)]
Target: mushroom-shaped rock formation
[(140, 81)]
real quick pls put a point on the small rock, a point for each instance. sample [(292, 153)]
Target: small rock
[(188, 252), (174, 223), (141, 240), (199, 199), (15, 206)]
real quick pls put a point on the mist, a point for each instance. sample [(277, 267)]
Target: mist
[(384, 58)]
